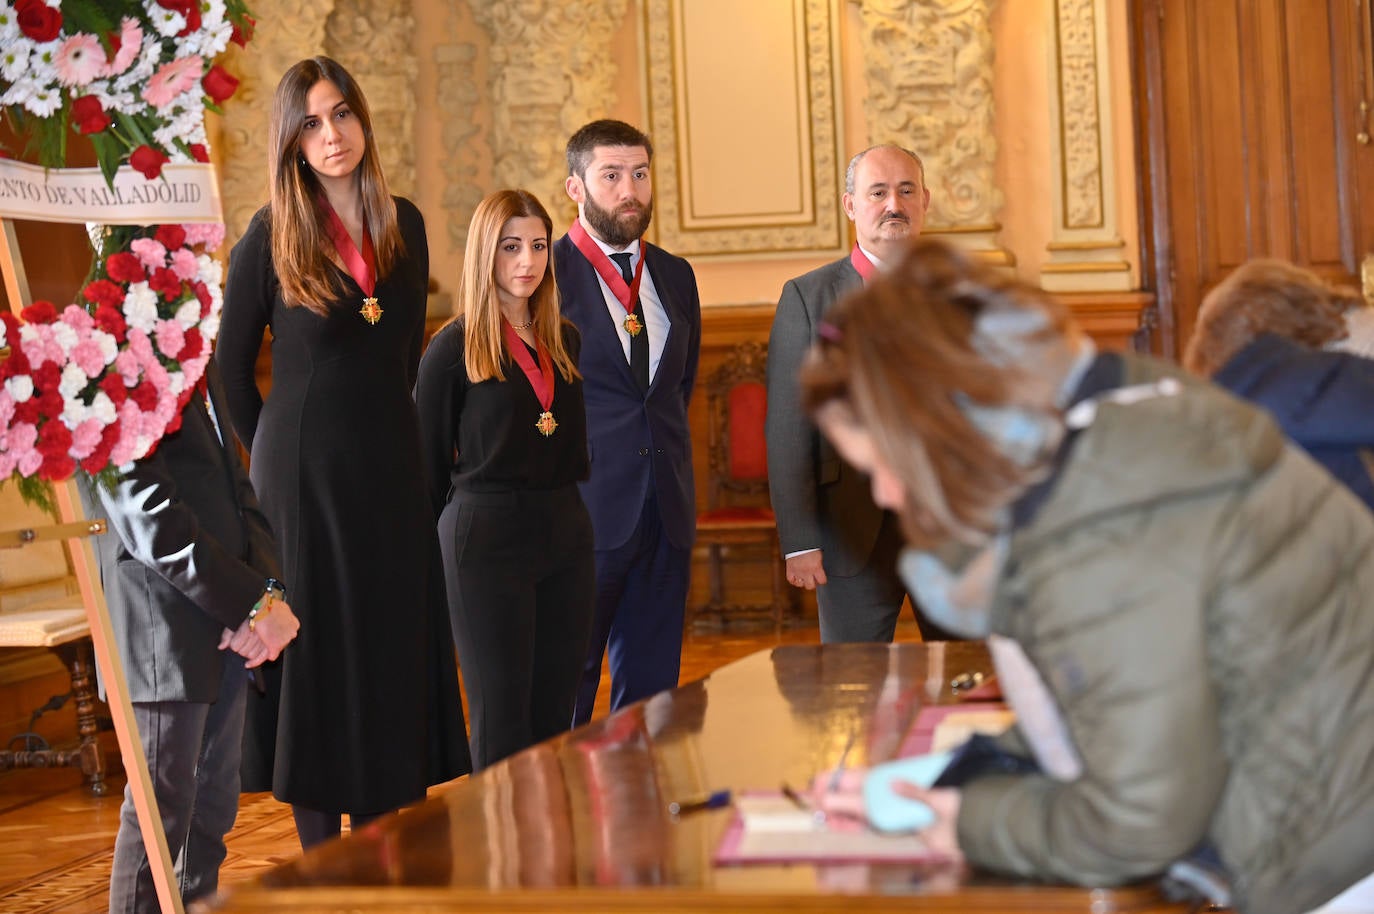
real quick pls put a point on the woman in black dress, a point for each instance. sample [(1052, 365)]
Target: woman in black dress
[(338, 269), (505, 440)]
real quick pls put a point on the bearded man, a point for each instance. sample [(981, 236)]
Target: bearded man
[(638, 311)]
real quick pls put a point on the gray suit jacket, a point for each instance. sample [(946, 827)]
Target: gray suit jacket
[(186, 557), (819, 500)]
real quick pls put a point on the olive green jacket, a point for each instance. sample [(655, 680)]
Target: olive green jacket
[(1198, 596)]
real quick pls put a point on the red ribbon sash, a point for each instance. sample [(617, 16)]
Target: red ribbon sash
[(626, 295), (861, 263), (541, 375), (362, 267)]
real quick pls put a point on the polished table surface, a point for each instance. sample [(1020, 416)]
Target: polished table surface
[(580, 823)]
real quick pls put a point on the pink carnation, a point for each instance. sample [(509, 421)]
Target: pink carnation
[(149, 252), (170, 338), (209, 234), (21, 442), (85, 437), (87, 356), (126, 363), (172, 79), (6, 411), (43, 347), (184, 264), (77, 318)]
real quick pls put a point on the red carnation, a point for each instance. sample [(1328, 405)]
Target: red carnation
[(194, 344), (145, 395), (109, 319), (57, 467), (202, 295), (103, 293), (148, 160), (40, 312), (54, 438), (113, 385), (37, 20), (219, 85), (17, 363), (242, 34), (95, 461), (170, 237), (199, 152), (124, 267), (165, 283), (28, 411), (88, 115)]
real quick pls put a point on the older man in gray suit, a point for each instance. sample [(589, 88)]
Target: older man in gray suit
[(189, 571), (833, 536)]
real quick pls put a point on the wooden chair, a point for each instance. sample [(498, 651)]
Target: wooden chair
[(738, 512), (40, 608)]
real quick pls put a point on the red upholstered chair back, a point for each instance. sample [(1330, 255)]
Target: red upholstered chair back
[(737, 403)]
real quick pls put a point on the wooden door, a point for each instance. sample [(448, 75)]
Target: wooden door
[(1255, 119)]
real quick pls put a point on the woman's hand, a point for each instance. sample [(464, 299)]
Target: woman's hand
[(942, 837)]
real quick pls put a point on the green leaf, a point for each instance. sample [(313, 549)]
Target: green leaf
[(89, 16), (109, 153)]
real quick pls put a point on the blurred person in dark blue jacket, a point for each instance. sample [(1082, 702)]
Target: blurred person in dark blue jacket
[(1261, 334)]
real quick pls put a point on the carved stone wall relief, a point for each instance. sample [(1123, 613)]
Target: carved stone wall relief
[(551, 72), (928, 73), (1085, 248)]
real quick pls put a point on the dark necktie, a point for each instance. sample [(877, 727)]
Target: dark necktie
[(639, 342)]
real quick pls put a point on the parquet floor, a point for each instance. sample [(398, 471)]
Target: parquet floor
[(56, 840)]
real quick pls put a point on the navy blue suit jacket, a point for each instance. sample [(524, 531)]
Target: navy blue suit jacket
[(635, 439)]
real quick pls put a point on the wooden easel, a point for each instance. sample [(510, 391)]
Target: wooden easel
[(98, 614)]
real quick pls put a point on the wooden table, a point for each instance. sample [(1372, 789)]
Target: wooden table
[(580, 823)]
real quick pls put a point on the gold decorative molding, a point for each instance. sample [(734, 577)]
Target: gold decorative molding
[(551, 71), (708, 199), (928, 72), (373, 40), (1085, 246)]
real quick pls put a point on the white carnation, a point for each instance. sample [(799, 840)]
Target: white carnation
[(65, 336), (209, 270), (188, 315), (176, 382), (209, 328), (109, 348), (20, 387), (74, 412), (140, 307), (103, 408), (73, 380)]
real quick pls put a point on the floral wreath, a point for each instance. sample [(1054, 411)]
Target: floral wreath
[(97, 384)]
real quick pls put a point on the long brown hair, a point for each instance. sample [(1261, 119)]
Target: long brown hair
[(901, 356), (302, 250), (1266, 296), (479, 307)]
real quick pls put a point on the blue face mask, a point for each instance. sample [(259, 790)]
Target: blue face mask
[(958, 601)]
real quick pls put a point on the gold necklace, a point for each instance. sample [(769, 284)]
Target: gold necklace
[(526, 325)]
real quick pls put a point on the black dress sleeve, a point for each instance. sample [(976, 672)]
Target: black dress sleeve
[(249, 290), (412, 223), (439, 393)]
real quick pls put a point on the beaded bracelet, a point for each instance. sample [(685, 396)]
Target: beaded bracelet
[(274, 591)]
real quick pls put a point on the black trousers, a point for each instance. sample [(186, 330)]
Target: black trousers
[(521, 592)]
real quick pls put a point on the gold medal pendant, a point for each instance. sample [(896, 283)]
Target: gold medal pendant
[(371, 311), (547, 424), (632, 325)]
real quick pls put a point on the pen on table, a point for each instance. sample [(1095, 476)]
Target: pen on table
[(834, 783), (699, 802)]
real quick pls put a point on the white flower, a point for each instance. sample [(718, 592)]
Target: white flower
[(9, 27), (188, 315), (74, 412), (43, 102), (140, 307), (103, 408), (167, 22), (3, 334), (211, 271), (73, 380), (15, 60), (65, 335), (20, 387), (109, 348), (176, 382), (209, 328)]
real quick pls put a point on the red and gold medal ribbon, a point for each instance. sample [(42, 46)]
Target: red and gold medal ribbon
[(540, 376), (362, 266), (625, 294)]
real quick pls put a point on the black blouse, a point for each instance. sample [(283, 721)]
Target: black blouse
[(482, 437)]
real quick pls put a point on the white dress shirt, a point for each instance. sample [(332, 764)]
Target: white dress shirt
[(656, 321)]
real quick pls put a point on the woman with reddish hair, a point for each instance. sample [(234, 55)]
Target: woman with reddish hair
[(1177, 600)]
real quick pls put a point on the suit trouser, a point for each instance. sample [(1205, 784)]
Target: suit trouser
[(520, 591), (864, 606), (193, 750), (641, 598)]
